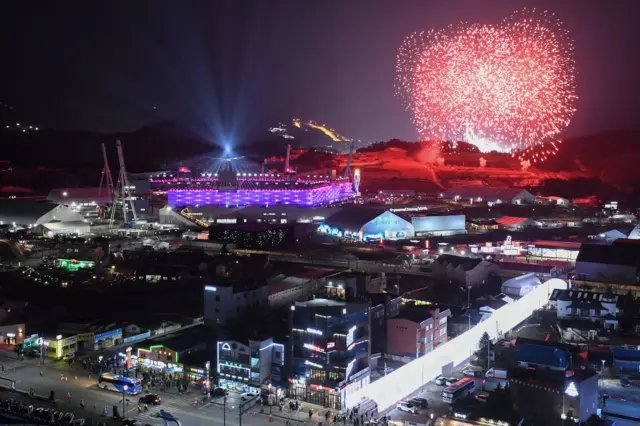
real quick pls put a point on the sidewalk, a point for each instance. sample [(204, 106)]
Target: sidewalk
[(302, 414)]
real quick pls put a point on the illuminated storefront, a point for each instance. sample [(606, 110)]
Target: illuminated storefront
[(60, 346), (96, 341), (75, 265)]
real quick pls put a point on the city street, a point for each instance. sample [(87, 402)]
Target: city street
[(26, 375)]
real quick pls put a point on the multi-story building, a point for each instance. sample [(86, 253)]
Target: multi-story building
[(330, 345), (247, 365), (467, 271), (383, 307), (417, 330), (231, 299)]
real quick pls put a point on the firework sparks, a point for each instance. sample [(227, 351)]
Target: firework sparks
[(508, 87)]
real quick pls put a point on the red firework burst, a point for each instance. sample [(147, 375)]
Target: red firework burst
[(508, 87)]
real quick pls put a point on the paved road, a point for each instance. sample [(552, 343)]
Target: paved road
[(26, 375)]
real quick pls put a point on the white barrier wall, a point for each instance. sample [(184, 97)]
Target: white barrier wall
[(391, 388)]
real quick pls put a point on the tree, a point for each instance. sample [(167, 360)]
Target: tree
[(483, 345)]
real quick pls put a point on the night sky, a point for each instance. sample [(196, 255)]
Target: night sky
[(230, 69)]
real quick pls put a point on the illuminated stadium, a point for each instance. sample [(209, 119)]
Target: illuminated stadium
[(230, 188)]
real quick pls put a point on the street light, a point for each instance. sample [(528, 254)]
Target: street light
[(124, 390)]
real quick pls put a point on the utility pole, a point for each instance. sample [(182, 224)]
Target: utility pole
[(224, 411)]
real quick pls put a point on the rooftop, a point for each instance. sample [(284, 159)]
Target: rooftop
[(180, 341), (620, 252), (353, 217), (511, 220), (467, 263)]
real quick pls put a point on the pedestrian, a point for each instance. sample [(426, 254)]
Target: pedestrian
[(2, 365)]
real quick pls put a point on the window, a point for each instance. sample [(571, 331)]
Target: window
[(443, 321), (443, 331)]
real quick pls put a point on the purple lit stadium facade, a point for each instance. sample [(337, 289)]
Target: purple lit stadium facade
[(302, 193)]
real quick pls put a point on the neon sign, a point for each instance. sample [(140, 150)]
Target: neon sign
[(314, 331), (312, 364), (313, 348)]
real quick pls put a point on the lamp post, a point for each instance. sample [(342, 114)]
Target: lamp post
[(124, 390)]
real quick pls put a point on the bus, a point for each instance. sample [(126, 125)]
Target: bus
[(459, 389), (120, 384)]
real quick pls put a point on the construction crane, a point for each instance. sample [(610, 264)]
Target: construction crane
[(105, 178), (122, 194)]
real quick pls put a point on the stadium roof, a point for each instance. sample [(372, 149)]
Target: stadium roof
[(622, 251), (353, 217), (486, 193)]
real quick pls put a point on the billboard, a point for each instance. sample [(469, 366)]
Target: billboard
[(439, 224)]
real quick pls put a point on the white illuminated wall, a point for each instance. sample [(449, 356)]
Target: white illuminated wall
[(391, 388)]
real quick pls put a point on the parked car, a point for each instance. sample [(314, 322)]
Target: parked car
[(407, 407), (625, 383), (248, 395), (150, 398), (419, 402), (450, 380), (69, 356), (68, 418), (469, 372), (440, 380), (218, 392)]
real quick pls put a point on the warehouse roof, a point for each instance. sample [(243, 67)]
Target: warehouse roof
[(511, 220), (541, 355), (622, 251)]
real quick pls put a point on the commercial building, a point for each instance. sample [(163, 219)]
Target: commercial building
[(163, 354), (515, 223), (557, 250), (439, 225), (250, 365), (78, 253), (330, 345), (467, 271), (417, 330), (360, 222), (59, 346), (489, 195), (235, 295), (365, 222), (544, 376), (618, 262), (383, 307)]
